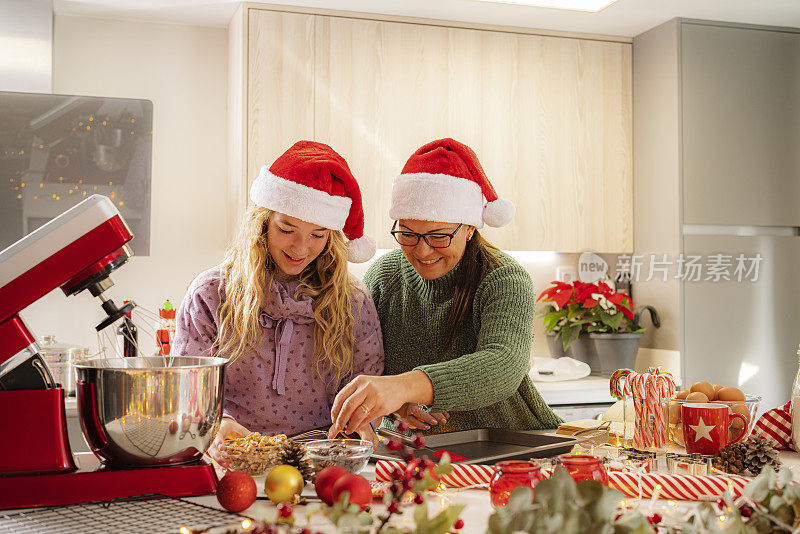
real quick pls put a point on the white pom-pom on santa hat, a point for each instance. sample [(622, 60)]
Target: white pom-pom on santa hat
[(443, 181), (313, 183), (498, 212), (361, 249)]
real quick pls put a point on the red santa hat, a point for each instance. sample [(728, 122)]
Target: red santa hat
[(443, 181), (313, 183)]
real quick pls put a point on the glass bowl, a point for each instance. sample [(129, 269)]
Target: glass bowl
[(254, 454), (352, 454), (748, 408)]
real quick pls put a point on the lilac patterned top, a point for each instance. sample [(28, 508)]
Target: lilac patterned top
[(276, 390)]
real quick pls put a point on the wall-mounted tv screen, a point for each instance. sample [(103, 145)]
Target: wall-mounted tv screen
[(56, 150)]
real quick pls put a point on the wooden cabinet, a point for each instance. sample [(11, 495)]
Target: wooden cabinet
[(549, 116)]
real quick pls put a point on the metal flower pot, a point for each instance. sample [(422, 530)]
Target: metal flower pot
[(555, 345), (582, 349), (150, 411), (616, 351)]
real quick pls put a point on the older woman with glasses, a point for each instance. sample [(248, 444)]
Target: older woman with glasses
[(456, 313)]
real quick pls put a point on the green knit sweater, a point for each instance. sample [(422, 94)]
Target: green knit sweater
[(482, 378)]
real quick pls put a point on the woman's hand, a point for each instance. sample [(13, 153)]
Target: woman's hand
[(366, 398), (228, 428), (367, 433), (416, 417)]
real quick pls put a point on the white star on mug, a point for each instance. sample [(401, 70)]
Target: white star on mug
[(702, 430)]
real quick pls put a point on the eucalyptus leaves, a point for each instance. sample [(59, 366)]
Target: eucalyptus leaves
[(560, 506), (770, 504)]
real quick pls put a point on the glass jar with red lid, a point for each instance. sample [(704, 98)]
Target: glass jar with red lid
[(584, 467), (510, 475)]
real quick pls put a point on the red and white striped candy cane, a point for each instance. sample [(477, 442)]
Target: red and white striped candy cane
[(638, 392), (656, 414), (666, 390)]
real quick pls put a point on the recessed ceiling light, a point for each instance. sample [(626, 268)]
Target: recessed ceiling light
[(577, 5)]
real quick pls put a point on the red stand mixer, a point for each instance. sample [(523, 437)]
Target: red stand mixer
[(77, 251)]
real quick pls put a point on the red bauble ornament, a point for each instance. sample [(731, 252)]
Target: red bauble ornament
[(393, 507), (419, 441), (746, 511), (459, 524), (358, 486), (284, 510), (416, 469), (419, 499), (236, 491), (394, 445), (325, 480), (173, 427)]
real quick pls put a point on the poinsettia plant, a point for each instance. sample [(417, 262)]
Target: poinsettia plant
[(578, 308)]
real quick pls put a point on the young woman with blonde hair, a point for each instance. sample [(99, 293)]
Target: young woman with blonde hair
[(282, 306)]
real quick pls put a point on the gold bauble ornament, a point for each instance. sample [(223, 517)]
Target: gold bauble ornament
[(283, 483)]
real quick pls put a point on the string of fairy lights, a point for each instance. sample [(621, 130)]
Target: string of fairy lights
[(83, 127)]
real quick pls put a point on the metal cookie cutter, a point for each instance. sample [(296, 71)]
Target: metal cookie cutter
[(689, 464)]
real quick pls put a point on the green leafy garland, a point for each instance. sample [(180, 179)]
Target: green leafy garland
[(770, 503)]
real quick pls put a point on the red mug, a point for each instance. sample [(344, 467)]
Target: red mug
[(705, 426)]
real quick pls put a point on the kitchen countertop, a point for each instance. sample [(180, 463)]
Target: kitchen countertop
[(475, 515)]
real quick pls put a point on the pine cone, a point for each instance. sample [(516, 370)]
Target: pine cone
[(320, 466), (748, 456), (730, 459), (294, 454), (759, 453)]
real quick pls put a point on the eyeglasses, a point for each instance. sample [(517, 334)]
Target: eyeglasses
[(434, 240)]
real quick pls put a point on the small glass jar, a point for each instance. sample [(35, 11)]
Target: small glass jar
[(510, 475), (584, 467)]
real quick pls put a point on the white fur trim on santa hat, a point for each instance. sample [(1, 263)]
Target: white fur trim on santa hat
[(498, 212), (438, 198), (361, 249), (300, 201)]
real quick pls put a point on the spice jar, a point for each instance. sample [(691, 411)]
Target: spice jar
[(510, 475), (584, 467)]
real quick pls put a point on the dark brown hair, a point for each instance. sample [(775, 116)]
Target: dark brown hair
[(479, 258)]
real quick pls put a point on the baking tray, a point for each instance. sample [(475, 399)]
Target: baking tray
[(490, 445)]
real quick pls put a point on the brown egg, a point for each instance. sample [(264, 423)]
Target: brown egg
[(741, 409), (674, 412), (697, 396), (730, 393), (705, 388), (682, 394)]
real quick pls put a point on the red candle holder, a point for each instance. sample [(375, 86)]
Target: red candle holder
[(513, 474), (584, 467)]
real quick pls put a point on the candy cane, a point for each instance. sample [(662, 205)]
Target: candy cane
[(656, 412), (648, 390), (615, 384), (639, 394)]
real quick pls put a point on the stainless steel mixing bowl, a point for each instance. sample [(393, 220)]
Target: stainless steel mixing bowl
[(150, 411)]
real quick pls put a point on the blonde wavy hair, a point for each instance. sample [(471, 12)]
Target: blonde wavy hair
[(248, 271)]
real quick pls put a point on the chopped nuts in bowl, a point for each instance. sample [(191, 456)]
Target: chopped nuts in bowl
[(255, 454)]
